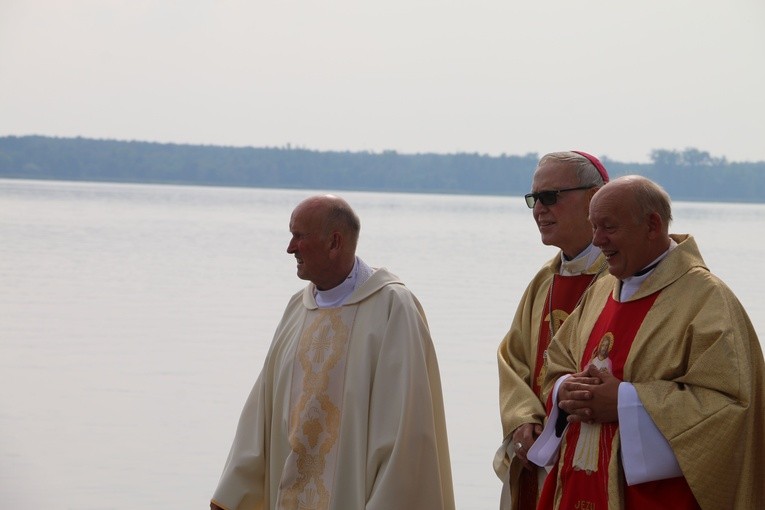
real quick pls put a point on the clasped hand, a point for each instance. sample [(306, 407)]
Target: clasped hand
[(590, 396)]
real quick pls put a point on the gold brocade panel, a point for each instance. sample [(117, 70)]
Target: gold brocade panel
[(316, 401)]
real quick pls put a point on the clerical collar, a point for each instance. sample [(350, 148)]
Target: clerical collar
[(580, 263), (631, 284), (647, 269), (336, 296)]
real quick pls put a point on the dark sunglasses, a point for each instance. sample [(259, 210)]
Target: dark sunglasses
[(548, 197)]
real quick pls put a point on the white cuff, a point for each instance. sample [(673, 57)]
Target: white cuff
[(544, 451), (646, 454)]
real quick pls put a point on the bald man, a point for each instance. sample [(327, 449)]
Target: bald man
[(658, 398), (347, 412)]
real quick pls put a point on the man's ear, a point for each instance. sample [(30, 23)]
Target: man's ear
[(335, 241), (589, 193), (655, 225)]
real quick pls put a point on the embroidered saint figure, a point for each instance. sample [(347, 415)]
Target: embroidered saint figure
[(587, 446)]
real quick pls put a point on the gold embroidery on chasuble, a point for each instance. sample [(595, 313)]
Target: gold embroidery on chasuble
[(318, 380), (588, 445), (558, 318), (555, 320), (563, 296)]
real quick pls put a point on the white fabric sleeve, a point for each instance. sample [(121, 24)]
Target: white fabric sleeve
[(646, 454), (502, 468), (544, 451)]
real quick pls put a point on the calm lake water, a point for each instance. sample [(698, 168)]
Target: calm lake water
[(134, 320)]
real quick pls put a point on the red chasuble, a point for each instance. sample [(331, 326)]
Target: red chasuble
[(591, 451)]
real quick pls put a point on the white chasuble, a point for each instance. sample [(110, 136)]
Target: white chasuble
[(316, 400), (347, 412)]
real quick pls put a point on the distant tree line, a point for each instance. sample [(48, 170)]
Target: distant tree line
[(687, 175)]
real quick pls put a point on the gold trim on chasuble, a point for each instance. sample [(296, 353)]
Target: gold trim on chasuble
[(569, 290), (555, 319), (316, 401)]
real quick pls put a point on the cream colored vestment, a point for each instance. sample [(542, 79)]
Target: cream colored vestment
[(347, 412)]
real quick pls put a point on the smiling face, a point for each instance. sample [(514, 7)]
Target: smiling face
[(311, 245), (563, 224), (324, 231), (629, 239)]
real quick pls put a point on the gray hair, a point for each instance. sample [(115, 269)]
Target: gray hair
[(586, 173), (341, 216), (650, 198)]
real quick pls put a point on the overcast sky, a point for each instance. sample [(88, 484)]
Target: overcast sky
[(610, 77)]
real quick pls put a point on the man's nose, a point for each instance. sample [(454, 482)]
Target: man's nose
[(598, 239)]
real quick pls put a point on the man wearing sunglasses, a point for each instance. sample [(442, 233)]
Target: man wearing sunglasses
[(561, 189), (657, 379)]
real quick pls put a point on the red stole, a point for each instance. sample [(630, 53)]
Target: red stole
[(562, 297), (564, 292), (589, 449)]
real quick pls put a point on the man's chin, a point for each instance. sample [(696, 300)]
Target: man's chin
[(548, 240), (616, 271)]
